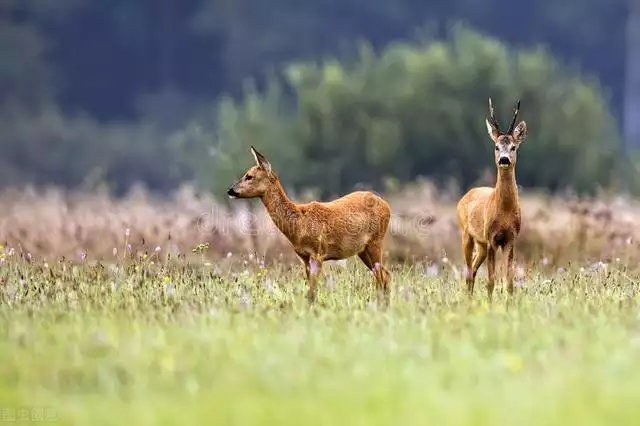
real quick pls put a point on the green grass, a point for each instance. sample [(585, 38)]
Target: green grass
[(237, 345)]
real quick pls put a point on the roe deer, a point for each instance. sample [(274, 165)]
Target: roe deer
[(489, 218), (318, 231)]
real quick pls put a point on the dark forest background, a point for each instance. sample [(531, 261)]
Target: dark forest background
[(336, 93)]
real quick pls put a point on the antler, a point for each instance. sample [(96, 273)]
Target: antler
[(515, 117), (492, 117)]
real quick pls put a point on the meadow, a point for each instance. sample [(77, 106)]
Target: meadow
[(108, 319)]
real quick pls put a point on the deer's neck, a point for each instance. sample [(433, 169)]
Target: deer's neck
[(506, 192), (281, 209)]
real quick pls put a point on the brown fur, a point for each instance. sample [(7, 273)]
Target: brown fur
[(490, 218), (354, 224)]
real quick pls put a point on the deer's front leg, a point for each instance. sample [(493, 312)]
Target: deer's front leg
[(313, 270), (508, 267), (491, 270), (305, 260)]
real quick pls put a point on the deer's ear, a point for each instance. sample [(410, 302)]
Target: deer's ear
[(493, 132), (520, 132), (261, 161)]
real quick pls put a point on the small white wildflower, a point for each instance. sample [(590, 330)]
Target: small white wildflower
[(545, 261), (617, 260), (561, 270), (245, 301), (157, 249), (169, 290), (127, 232), (330, 284), (445, 259), (432, 271), (456, 273), (115, 251), (268, 286), (519, 276), (597, 265), (405, 293), (229, 255)]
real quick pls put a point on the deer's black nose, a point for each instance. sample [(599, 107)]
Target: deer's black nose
[(232, 192), (504, 161)]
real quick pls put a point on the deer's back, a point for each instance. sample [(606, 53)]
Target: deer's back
[(363, 202), (346, 225)]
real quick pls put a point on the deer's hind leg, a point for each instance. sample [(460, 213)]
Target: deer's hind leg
[(372, 257), (312, 268), (479, 257)]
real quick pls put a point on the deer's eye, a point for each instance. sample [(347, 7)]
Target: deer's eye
[(497, 149), (248, 177), (513, 148)]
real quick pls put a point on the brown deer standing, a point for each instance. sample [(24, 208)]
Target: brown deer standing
[(354, 224), (490, 218)]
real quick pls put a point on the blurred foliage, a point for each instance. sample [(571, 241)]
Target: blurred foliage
[(107, 53), (216, 145), (119, 92), (416, 109), (47, 148)]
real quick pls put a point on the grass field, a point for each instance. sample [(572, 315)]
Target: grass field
[(234, 343)]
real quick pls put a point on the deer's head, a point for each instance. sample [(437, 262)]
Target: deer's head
[(506, 143), (255, 181)]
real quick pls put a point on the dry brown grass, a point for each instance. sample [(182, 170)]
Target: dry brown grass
[(55, 223)]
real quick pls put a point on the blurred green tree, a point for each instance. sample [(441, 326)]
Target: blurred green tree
[(416, 109)]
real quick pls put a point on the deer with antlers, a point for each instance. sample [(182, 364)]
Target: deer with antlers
[(490, 218), (319, 231)]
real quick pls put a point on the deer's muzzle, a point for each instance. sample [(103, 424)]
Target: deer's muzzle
[(232, 193), (504, 162)]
